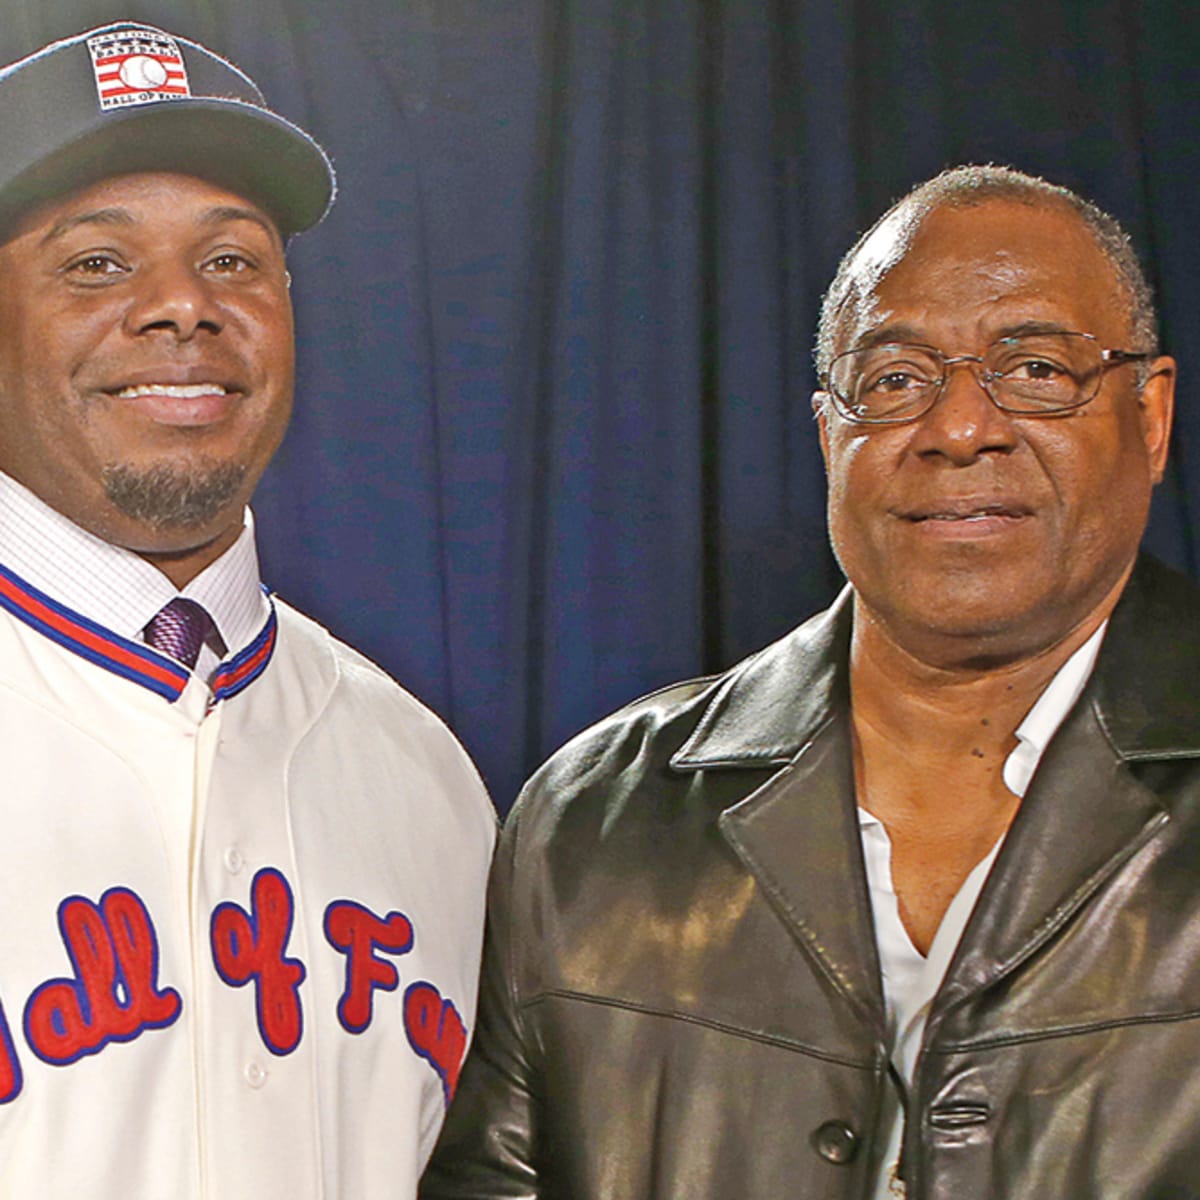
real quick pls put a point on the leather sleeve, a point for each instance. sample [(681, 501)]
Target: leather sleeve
[(488, 1146)]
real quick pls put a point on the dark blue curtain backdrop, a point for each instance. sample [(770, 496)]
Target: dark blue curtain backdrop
[(552, 445)]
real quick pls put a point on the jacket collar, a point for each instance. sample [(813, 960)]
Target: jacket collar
[(1095, 801), (792, 697), (769, 706), (1084, 817), (1144, 687)]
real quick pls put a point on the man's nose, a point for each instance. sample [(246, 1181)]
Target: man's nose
[(173, 297), (964, 421)]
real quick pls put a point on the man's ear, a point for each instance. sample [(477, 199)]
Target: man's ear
[(1157, 408)]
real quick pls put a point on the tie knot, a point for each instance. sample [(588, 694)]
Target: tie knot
[(179, 629)]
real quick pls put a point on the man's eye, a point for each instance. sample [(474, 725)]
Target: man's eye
[(95, 265), (228, 263), (896, 380), (1035, 368)]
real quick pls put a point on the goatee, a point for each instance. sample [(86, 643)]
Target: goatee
[(168, 496)]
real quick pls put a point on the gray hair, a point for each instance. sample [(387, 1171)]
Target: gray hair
[(964, 187)]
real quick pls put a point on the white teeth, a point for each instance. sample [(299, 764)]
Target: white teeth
[(975, 516), (178, 391)]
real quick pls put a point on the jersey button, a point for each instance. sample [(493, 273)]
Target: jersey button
[(836, 1142), (256, 1074), (234, 860)]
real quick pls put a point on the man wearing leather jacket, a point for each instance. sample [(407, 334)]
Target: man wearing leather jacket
[(908, 903)]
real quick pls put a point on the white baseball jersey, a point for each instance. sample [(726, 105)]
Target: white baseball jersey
[(239, 930)]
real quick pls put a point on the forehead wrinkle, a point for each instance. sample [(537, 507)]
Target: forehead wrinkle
[(900, 331)]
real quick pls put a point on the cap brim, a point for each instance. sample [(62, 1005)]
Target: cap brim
[(236, 145)]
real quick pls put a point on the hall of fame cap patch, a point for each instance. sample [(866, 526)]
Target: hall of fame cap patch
[(129, 97), (137, 66)]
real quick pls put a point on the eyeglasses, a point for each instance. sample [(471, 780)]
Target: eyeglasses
[(1032, 375)]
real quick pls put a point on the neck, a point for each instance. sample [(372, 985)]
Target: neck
[(182, 566), (954, 704), (956, 711), (930, 744)]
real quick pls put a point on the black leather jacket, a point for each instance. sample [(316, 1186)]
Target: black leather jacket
[(681, 994)]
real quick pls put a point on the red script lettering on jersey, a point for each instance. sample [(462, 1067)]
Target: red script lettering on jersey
[(10, 1066), (436, 1032), (251, 945), (114, 995), (358, 933)]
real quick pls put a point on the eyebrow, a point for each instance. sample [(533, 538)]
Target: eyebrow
[(98, 216), (1023, 328), (123, 218), (888, 333), (223, 213)]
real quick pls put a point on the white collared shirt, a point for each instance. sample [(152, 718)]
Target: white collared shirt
[(910, 979), (119, 589)]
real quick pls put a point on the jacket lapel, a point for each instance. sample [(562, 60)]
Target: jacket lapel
[(1088, 809), (1084, 816), (797, 834)]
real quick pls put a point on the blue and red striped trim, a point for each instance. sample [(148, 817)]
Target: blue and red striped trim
[(130, 660), (246, 665)]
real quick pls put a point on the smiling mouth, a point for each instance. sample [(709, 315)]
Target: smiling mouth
[(176, 391), (984, 516), (980, 514), (202, 405)]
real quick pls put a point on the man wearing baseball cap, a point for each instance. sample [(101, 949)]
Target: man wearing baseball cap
[(241, 871)]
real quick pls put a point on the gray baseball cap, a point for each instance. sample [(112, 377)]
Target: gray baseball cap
[(129, 97)]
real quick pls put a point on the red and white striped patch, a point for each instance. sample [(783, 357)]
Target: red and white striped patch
[(137, 66)]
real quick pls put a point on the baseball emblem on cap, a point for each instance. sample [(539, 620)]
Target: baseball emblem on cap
[(142, 72), (137, 66)]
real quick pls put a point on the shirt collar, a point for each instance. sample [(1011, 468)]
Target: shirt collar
[(1048, 712), (116, 588)]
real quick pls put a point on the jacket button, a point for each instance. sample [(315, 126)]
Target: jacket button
[(836, 1142)]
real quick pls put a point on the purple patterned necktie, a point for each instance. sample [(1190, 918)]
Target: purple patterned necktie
[(179, 629)]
